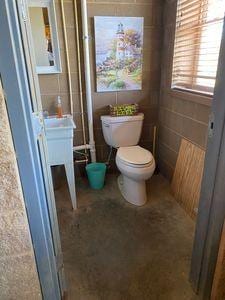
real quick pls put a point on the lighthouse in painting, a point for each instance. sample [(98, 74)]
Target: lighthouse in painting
[(120, 47)]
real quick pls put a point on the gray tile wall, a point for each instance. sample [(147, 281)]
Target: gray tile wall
[(181, 114), (53, 85)]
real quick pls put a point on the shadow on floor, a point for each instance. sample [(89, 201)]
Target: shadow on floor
[(113, 250)]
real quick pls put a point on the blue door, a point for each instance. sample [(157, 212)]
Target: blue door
[(24, 109)]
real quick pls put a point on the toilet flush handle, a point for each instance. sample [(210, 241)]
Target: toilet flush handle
[(106, 125)]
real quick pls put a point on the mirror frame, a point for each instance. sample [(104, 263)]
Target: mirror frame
[(49, 4)]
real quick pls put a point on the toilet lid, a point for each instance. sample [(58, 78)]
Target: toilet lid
[(135, 155)]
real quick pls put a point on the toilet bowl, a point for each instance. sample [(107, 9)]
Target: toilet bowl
[(136, 165)]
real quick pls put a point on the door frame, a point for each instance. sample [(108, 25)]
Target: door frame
[(14, 80), (211, 212), (29, 54)]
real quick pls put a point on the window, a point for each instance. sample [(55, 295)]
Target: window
[(199, 27)]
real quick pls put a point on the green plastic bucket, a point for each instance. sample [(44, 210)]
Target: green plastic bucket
[(96, 175)]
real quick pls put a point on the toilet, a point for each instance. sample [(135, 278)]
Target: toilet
[(135, 163)]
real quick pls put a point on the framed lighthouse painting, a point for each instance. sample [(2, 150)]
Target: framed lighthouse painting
[(119, 51)]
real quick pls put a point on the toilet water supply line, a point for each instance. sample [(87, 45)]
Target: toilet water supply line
[(91, 145)]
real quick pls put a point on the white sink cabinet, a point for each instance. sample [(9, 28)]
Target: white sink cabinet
[(59, 135)]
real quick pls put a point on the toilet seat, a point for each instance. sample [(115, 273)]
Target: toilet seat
[(135, 156)]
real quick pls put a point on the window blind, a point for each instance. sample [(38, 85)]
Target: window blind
[(199, 25)]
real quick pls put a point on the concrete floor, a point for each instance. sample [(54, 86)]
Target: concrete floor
[(113, 250)]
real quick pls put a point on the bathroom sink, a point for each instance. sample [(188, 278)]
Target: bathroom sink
[(59, 135), (59, 123), (59, 128)]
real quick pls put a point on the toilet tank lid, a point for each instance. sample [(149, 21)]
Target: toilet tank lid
[(109, 119)]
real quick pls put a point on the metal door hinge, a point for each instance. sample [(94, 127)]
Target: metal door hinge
[(211, 125), (87, 37), (38, 124)]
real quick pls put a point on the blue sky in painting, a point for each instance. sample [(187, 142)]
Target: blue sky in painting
[(106, 27)]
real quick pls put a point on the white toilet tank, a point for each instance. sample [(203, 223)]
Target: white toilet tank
[(122, 131)]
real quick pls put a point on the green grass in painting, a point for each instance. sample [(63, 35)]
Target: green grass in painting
[(136, 75), (118, 84), (112, 78)]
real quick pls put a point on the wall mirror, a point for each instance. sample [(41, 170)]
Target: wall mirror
[(44, 36)]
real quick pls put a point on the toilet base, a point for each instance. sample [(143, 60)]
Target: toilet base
[(133, 191)]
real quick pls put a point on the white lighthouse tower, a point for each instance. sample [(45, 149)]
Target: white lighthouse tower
[(120, 48)]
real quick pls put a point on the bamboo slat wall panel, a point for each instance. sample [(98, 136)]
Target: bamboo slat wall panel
[(218, 289), (186, 183)]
